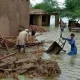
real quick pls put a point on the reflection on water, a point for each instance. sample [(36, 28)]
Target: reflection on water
[(70, 66)]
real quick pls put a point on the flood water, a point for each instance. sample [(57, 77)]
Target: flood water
[(70, 67)]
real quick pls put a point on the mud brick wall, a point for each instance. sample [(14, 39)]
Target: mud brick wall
[(12, 14)]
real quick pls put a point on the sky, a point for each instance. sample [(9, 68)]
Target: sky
[(38, 1)]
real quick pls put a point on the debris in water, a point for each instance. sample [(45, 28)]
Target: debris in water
[(35, 67)]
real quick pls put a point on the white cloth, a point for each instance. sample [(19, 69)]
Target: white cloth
[(22, 38)]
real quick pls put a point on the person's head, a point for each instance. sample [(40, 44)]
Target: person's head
[(26, 30), (72, 35), (60, 19)]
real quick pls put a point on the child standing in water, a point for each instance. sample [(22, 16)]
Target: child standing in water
[(72, 43)]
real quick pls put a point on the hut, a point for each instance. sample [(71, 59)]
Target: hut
[(42, 18)]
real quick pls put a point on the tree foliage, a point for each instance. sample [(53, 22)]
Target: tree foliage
[(72, 9), (47, 5)]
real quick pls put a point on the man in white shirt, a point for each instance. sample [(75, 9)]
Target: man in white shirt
[(22, 39)]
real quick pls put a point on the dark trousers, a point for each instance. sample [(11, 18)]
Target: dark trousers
[(33, 33), (20, 46)]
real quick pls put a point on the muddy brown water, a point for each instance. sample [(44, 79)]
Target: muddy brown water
[(70, 67)]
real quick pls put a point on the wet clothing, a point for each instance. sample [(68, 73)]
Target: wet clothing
[(20, 46), (21, 40), (33, 33), (33, 30), (73, 46), (61, 25)]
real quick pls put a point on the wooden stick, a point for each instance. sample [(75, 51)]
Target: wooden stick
[(8, 37), (5, 43), (7, 56), (48, 41), (34, 44)]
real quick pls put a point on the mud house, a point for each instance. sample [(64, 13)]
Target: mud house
[(41, 18), (12, 14)]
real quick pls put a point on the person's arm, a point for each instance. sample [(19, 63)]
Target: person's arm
[(71, 42), (27, 37), (64, 38)]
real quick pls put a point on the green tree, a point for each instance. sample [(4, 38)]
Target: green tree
[(47, 5), (72, 9)]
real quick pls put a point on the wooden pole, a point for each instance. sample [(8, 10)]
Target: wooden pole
[(7, 56), (5, 43)]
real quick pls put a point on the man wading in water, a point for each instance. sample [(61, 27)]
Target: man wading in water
[(22, 39), (61, 25), (71, 41)]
